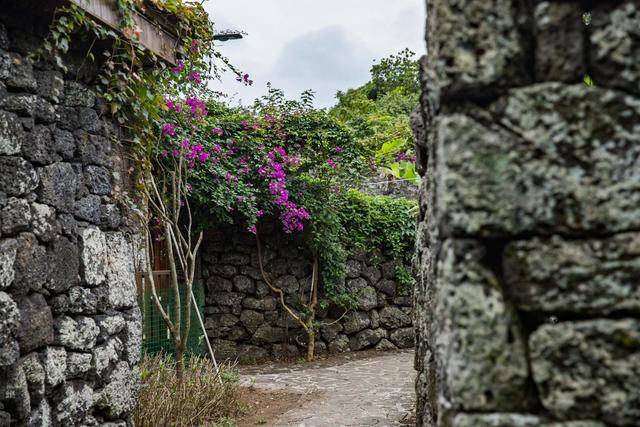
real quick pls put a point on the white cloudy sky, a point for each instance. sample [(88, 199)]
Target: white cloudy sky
[(324, 45)]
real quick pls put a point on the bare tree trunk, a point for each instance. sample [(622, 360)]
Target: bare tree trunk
[(311, 344)]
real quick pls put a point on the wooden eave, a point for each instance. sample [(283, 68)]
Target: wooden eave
[(151, 35)]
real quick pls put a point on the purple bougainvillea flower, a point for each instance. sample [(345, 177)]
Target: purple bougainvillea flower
[(252, 229), (168, 129), (331, 163), (195, 77), (339, 149), (178, 68)]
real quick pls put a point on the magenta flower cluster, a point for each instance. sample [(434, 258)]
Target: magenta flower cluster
[(244, 78), (291, 215)]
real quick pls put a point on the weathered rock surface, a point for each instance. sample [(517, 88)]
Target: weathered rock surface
[(583, 276), (483, 50), (589, 369), (489, 180), (36, 323), (480, 349)]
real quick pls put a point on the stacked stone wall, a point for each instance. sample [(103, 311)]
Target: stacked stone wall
[(70, 328), (528, 286), (245, 320)]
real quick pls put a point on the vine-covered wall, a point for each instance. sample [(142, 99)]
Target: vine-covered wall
[(528, 293), (244, 318), (70, 328)]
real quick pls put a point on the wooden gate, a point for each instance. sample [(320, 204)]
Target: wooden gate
[(155, 334)]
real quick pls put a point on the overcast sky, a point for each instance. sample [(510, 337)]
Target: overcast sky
[(324, 45)]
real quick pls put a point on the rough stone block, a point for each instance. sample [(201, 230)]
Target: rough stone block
[(50, 84), (78, 364), (559, 41), (98, 180), (353, 268), (483, 50), (16, 216), (120, 283), (8, 249), (393, 318), (94, 149), (330, 330), (11, 134), (339, 345), (244, 284), (371, 273), (252, 353), (58, 184), (367, 338), (281, 351), (40, 415), (93, 256), (589, 369), (82, 300), (35, 375), (225, 349), (251, 320), (482, 363), (14, 391), (615, 41), (230, 299), (43, 222), (36, 323), (78, 95), (489, 178), (76, 334), (31, 265), (9, 323), (219, 284), (20, 75), (64, 143), (235, 259), (288, 284), (515, 420), (355, 321), (104, 355), (385, 345), (74, 401), (88, 209), (38, 146), (268, 334), (387, 286), (574, 276), (18, 176), (64, 263), (367, 299), (217, 325), (403, 337), (132, 337), (54, 362)]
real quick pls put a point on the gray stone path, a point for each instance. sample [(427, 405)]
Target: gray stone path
[(374, 391)]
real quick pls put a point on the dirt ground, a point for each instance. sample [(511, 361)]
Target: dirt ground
[(264, 407)]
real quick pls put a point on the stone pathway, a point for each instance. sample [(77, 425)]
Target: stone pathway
[(373, 391)]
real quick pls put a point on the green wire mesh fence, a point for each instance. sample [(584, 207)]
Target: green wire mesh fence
[(156, 337)]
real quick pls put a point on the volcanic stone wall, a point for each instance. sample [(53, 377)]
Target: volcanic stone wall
[(245, 320), (528, 253), (70, 328)]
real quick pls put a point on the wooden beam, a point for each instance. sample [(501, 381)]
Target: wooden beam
[(152, 36)]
